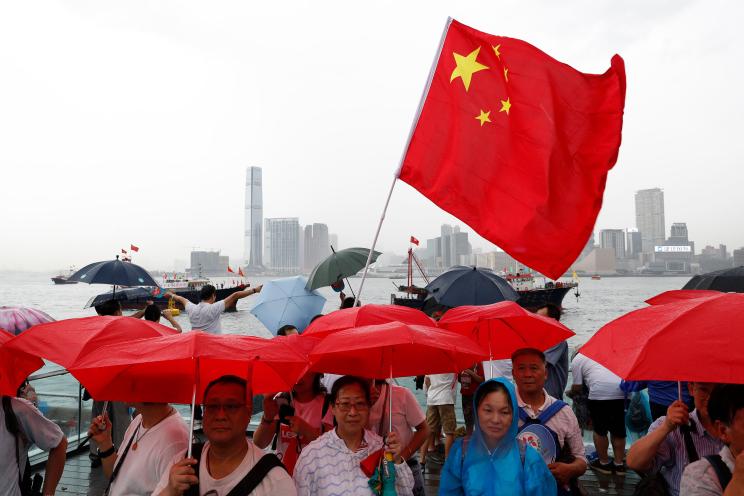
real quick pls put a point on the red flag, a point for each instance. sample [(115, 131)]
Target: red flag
[(230, 270), (124, 251), (134, 248), (414, 241), (240, 272), (517, 145)]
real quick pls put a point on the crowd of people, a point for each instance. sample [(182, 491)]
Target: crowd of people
[(337, 435)]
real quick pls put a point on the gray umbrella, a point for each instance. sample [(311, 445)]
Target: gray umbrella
[(340, 264)]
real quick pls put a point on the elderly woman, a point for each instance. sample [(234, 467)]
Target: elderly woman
[(493, 461), (335, 463)]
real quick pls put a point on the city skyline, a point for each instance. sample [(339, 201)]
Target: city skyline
[(150, 143)]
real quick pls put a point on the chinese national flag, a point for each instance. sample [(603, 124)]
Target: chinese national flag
[(124, 251), (517, 145), (240, 272), (414, 241), (134, 248), (229, 269)]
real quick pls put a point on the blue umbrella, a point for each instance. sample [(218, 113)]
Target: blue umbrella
[(114, 272), (470, 286), (286, 301)]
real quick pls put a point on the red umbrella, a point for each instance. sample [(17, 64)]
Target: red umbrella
[(675, 295), (364, 316), (503, 328), (699, 339), (282, 360), (395, 350), (15, 366), (64, 341)]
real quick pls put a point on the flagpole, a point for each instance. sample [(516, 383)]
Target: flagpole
[(424, 93)]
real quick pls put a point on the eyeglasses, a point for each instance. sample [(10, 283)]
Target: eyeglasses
[(229, 408), (211, 493), (345, 406)]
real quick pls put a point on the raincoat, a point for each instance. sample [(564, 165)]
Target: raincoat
[(501, 472)]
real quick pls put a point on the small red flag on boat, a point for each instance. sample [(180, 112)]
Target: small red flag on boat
[(414, 241), (134, 248), (517, 144), (124, 251), (240, 272), (230, 270)]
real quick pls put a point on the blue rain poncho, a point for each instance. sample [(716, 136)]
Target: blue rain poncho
[(500, 472)]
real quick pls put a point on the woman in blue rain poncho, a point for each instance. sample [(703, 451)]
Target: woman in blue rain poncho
[(494, 462)]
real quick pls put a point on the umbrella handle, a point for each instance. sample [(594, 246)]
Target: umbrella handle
[(102, 424), (390, 398), (191, 427)]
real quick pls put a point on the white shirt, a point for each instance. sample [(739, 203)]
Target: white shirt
[(327, 467), (156, 447), (442, 389), (602, 384), (501, 368), (563, 423), (277, 481), (407, 413), (36, 428), (700, 479), (206, 316)]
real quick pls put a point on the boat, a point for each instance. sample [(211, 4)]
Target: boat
[(180, 285), (596, 277), (64, 278)]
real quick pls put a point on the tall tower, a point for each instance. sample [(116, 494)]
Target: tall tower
[(649, 208), (253, 243)]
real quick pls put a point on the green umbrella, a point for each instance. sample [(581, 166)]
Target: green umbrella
[(340, 264)]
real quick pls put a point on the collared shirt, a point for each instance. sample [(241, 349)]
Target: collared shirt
[(206, 316), (563, 423), (700, 479), (671, 456)]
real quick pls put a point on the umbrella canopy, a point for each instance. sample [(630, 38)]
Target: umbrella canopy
[(286, 301), (170, 368), (701, 339), (124, 294), (340, 264), (394, 350), (676, 295), (64, 341), (503, 328), (470, 286), (364, 316), (283, 358), (114, 272), (17, 319), (726, 280), (15, 366)]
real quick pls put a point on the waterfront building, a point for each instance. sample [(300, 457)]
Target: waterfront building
[(253, 234), (634, 245), (739, 257), (282, 245), (676, 254), (316, 246), (649, 210), (613, 239), (208, 264)]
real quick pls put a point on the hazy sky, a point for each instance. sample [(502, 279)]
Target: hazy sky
[(133, 122)]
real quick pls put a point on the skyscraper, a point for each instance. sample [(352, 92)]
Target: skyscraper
[(635, 245), (253, 242), (317, 245), (613, 238), (282, 243), (649, 207)]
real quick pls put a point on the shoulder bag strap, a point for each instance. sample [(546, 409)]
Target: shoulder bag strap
[(549, 412), (256, 475), (120, 459), (722, 471), (692, 454)]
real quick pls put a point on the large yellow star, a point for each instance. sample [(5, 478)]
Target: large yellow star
[(505, 106), (466, 67), (483, 117)]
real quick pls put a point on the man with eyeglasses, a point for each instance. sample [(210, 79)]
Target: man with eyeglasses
[(228, 464), (343, 460)]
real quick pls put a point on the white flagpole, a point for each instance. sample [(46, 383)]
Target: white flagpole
[(405, 151)]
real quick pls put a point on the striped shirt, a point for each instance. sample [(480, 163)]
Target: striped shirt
[(671, 457)]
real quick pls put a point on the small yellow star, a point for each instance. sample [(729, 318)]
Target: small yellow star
[(496, 51), (466, 67), (483, 117), (506, 74), (505, 106)]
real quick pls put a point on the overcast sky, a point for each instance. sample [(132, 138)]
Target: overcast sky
[(133, 122)]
